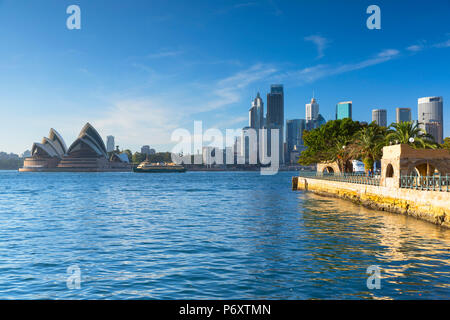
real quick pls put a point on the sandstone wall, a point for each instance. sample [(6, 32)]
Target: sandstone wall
[(432, 206)]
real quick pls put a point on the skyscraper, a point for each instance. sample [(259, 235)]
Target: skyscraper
[(311, 110), (110, 145), (147, 150), (313, 118), (256, 113), (275, 116), (275, 105), (380, 117), (344, 110), (402, 115), (255, 121), (431, 110), (435, 129), (294, 134), (249, 146)]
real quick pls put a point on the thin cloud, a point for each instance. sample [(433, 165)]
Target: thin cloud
[(415, 48), (245, 4), (229, 90), (311, 74), (230, 122), (276, 10), (444, 44), (320, 42), (237, 6), (152, 119), (419, 46), (164, 54)]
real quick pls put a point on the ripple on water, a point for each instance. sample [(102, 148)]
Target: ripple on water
[(206, 235)]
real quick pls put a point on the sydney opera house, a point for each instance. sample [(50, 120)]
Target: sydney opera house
[(86, 154)]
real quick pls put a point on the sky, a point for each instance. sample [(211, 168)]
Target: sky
[(139, 69)]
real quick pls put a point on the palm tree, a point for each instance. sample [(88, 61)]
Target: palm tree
[(410, 133), (368, 145), (340, 152)]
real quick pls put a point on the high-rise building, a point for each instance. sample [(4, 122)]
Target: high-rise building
[(208, 155), (320, 121), (26, 154), (147, 150), (311, 110), (294, 134), (313, 118), (402, 115), (256, 120), (431, 110), (275, 105), (380, 117), (110, 145), (256, 113), (344, 110), (275, 116), (313, 124), (435, 129), (249, 146)]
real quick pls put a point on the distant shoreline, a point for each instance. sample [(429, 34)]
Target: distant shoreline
[(289, 169)]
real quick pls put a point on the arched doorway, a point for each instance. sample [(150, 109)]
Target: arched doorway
[(389, 171), (328, 170), (426, 169)]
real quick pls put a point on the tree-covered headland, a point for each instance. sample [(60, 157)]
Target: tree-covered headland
[(346, 140)]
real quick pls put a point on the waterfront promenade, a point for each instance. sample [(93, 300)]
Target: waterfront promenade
[(428, 201), (415, 182)]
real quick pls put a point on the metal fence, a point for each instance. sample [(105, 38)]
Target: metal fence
[(429, 183), (360, 178), (426, 183)]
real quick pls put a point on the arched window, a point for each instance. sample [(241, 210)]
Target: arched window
[(389, 171), (328, 170), (426, 169)]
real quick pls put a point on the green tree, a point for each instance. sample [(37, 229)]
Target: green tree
[(160, 157), (11, 164), (138, 157), (411, 134), (329, 143), (446, 144), (368, 144)]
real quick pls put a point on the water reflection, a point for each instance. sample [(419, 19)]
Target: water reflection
[(201, 235), (406, 249)]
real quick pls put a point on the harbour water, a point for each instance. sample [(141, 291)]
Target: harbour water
[(206, 235)]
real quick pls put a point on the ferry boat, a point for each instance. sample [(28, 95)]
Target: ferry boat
[(149, 167)]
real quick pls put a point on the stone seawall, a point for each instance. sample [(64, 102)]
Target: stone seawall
[(432, 206)]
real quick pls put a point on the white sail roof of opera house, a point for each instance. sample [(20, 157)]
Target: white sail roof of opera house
[(58, 141), (88, 140), (90, 130), (89, 143), (54, 146), (45, 150)]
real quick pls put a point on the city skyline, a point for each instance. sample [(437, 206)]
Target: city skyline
[(164, 77)]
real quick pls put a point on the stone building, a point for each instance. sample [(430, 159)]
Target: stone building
[(401, 159)]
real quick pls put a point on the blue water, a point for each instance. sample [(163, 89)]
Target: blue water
[(206, 235)]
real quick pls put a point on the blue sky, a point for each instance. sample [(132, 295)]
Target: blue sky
[(140, 69)]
